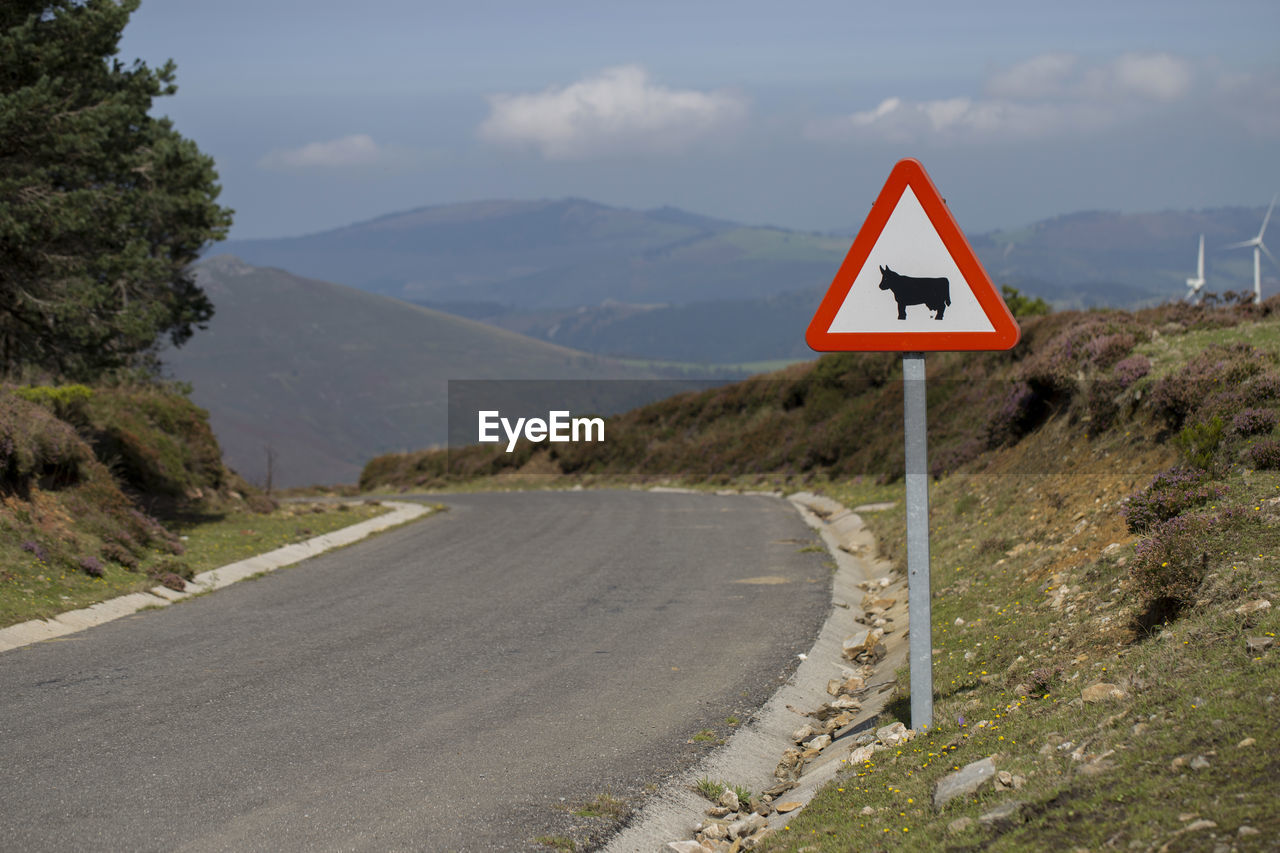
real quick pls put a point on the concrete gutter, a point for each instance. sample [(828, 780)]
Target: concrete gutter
[(26, 633), (750, 756)]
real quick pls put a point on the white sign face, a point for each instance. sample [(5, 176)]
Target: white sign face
[(910, 261)]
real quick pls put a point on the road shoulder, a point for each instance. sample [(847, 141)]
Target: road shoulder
[(751, 756), (35, 630)]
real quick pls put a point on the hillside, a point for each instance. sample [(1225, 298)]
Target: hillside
[(1104, 525), (667, 284), (728, 331), (1093, 258), (562, 253), (85, 473), (326, 376)]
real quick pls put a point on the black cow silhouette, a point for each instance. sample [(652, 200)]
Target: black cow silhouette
[(935, 293)]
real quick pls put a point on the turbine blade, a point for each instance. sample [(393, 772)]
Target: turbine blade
[(1267, 218), (1263, 247), (1242, 245), (1200, 260)]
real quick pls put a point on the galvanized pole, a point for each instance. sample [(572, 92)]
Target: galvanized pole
[(918, 601)]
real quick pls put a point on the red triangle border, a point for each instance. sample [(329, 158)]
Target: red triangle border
[(910, 173)]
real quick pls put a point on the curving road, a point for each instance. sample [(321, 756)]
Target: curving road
[(466, 682)]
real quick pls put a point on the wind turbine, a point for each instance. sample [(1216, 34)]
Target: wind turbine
[(1258, 248), (1194, 284)]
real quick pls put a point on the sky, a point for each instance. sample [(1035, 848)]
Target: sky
[(321, 113)]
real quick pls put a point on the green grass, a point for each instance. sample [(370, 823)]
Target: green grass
[(710, 788), (861, 491), (604, 806), (1168, 352), (1193, 688), (30, 589), (556, 842), (217, 540)]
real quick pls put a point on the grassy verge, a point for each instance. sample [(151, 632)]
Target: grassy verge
[(1035, 601), (30, 588)]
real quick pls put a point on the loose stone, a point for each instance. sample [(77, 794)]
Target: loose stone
[(1253, 606), (801, 733), (1103, 692), (1003, 813), (964, 781), (1257, 645), (685, 847), (819, 743)]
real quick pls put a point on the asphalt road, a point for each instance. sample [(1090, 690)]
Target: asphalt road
[(466, 682)]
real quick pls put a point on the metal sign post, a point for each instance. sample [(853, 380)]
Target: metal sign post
[(918, 594), (911, 283)]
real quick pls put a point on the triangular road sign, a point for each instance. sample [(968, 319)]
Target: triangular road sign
[(911, 282)]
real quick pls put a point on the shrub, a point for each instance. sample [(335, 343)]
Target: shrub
[(36, 550), (1264, 454), (156, 442), (92, 567), (1023, 306), (1199, 442), (68, 402), (1168, 495), (1015, 416), (170, 567), (151, 532), (261, 504), (949, 458), (1172, 563), (1129, 370), (1105, 350), (1216, 373), (35, 445), (114, 552), (1254, 421), (1102, 405), (172, 581), (1261, 389), (1040, 680), (993, 545)]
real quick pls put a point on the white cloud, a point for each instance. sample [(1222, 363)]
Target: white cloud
[(1050, 94), (1039, 77), (618, 110), (1157, 76), (356, 150), (896, 120)]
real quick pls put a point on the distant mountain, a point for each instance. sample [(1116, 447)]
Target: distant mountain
[(554, 254), (327, 376), (729, 331), (669, 284), (1124, 260)]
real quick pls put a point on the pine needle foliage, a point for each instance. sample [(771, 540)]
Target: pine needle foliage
[(103, 207)]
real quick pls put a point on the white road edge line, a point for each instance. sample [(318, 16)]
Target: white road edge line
[(25, 633)]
